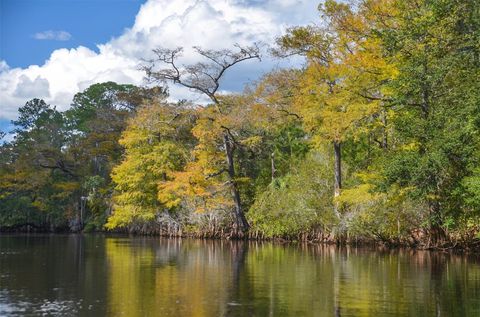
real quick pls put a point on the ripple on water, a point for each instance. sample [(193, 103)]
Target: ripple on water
[(41, 307)]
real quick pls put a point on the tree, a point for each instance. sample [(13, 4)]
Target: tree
[(37, 175), (157, 143), (204, 77), (40, 130), (435, 44), (96, 120), (341, 87)]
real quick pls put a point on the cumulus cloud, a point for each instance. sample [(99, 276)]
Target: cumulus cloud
[(3, 66), (212, 24), (38, 87), (53, 35)]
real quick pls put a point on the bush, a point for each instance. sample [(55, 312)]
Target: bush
[(298, 202)]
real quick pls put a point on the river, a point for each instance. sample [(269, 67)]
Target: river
[(97, 275)]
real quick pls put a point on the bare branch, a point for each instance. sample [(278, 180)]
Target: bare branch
[(232, 137), (203, 77), (374, 98), (60, 165), (220, 172), (288, 113)]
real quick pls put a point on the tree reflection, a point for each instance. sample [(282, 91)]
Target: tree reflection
[(238, 278)]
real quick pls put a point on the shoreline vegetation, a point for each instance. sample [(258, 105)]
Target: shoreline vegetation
[(419, 242), (375, 139), (308, 238)]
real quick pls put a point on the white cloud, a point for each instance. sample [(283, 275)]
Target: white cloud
[(3, 66), (53, 35), (38, 87), (211, 24)]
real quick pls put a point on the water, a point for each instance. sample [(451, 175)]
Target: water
[(94, 275)]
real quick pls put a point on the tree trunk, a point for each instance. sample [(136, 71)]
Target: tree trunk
[(425, 92), (338, 167), (272, 157), (437, 233), (385, 134), (338, 173), (239, 215)]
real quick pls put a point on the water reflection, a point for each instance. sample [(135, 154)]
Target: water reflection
[(121, 276)]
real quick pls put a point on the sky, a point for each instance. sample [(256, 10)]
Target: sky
[(52, 49)]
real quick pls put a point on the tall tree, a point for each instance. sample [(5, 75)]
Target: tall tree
[(157, 142), (435, 44), (38, 176), (95, 121), (341, 90), (205, 77)]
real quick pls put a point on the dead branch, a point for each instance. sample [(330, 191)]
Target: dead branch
[(203, 77)]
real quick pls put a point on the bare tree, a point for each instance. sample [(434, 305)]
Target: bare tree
[(204, 77)]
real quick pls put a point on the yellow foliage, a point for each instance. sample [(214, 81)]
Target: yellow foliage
[(154, 150), (341, 91), (68, 187)]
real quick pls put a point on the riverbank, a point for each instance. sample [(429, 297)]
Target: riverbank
[(417, 242)]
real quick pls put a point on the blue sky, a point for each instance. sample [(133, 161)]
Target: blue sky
[(53, 49), (89, 22), (5, 125)]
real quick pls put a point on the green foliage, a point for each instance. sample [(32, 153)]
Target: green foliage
[(297, 202), (57, 159)]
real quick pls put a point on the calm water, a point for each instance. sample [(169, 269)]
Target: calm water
[(75, 275)]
